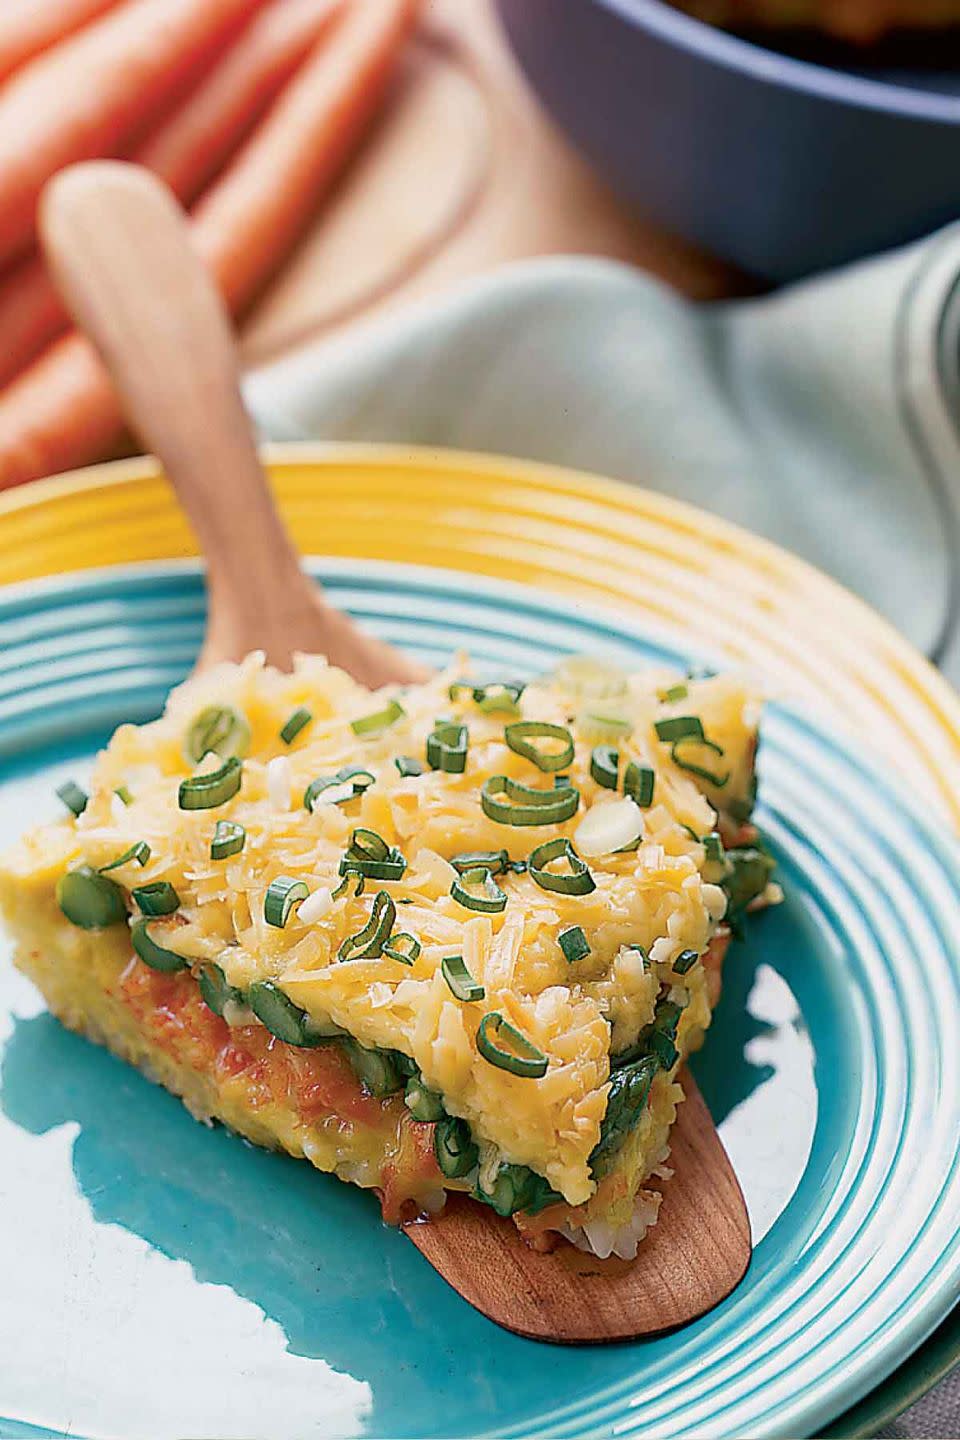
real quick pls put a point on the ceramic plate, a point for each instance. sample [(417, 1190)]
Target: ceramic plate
[(171, 1280)]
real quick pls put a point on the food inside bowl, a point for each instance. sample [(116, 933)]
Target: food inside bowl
[(861, 22), (458, 937)]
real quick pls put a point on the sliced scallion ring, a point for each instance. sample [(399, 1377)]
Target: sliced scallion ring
[(574, 944), (524, 805), (73, 796), (89, 899), (672, 694), (638, 783), (218, 729), (282, 894), (123, 794), (407, 765), (281, 1016), (491, 901), (522, 735), (506, 1047), (587, 675), (380, 720), (685, 961), (297, 722), (577, 880), (348, 782), (424, 1105), (459, 979), (391, 867), (368, 943), (605, 766), (214, 989), (152, 954), (679, 727), (158, 898), (206, 792), (495, 861), (713, 846), (454, 1148), (692, 768), (229, 839), (602, 727), (497, 698), (447, 747), (403, 947), (367, 845), (139, 851)]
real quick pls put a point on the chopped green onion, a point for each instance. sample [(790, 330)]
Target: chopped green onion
[(586, 675), (497, 698), (691, 832), (368, 943), (574, 944), (297, 722), (675, 692), (282, 894), (491, 902), (663, 1033), (408, 766), (459, 979), (423, 1104), (521, 735), (711, 777), (220, 729), (679, 727), (377, 1070), (748, 877), (215, 990), (629, 1088), (206, 792), (369, 855), (523, 1058), (355, 775), (517, 1187), (638, 783), (605, 766), (454, 1148), (380, 720), (495, 861), (152, 954), (526, 806), (122, 793), (229, 839), (281, 1016), (367, 845), (713, 845), (447, 747), (73, 796), (577, 881), (140, 851), (89, 899), (685, 961), (403, 947), (602, 729), (158, 898)]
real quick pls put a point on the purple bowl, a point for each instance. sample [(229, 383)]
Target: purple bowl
[(782, 166)]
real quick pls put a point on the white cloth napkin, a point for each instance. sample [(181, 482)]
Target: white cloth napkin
[(825, 416)]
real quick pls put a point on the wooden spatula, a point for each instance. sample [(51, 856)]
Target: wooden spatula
[(121, 254)]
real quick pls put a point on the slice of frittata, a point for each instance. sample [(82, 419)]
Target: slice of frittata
[(456, 937)]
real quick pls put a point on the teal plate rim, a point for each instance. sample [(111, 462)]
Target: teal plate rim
[(89, 617)]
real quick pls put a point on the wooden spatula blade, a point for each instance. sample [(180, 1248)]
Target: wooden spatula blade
[(695, 1255)]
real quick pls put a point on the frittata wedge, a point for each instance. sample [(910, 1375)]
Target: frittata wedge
[(458, 937)]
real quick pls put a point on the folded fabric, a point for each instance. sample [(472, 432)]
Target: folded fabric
[(823, 417)]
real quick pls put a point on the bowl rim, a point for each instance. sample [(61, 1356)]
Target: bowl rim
[(731, 52)]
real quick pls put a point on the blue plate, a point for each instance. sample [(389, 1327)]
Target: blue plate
[(164, 1280)]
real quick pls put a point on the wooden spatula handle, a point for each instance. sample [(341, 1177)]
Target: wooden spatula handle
[(122, 256)]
